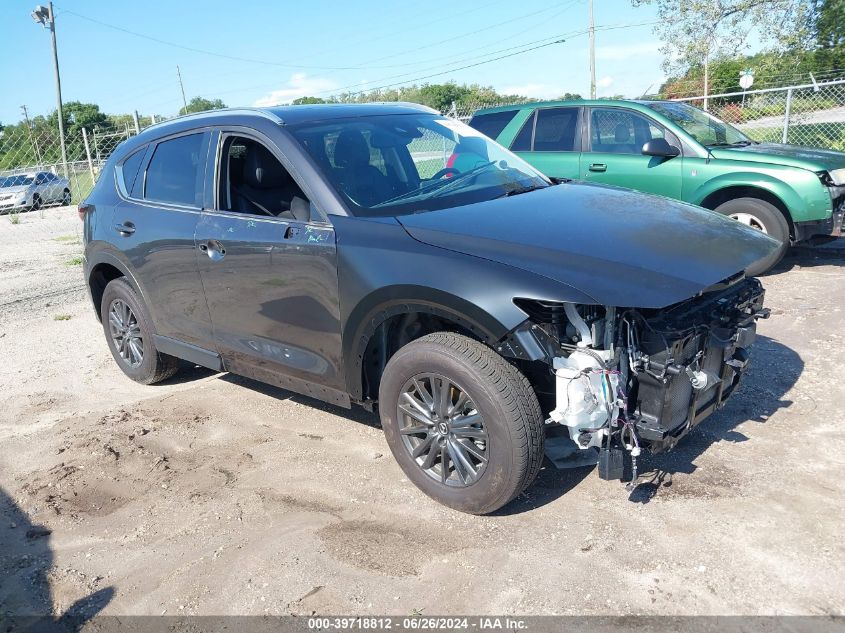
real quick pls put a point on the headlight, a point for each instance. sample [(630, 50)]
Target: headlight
[(837, 176)]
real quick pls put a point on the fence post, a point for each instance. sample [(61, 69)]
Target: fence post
[(786, 116), (137, 122), (88, 154)]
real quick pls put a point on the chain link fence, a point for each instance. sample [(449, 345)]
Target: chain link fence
[(811, 115)]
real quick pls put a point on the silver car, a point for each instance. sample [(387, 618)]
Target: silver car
[(33, 190)]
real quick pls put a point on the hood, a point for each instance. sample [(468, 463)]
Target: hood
[(810, 158), (619, 247)]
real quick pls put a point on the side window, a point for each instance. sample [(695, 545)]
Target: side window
[(175, 172), (617, 131), (253, 181), (129, 168), (556, 130), (40, 179), (493, 123), (522, 142)]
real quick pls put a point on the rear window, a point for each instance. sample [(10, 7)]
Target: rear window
[(173, 174), (492, 124)]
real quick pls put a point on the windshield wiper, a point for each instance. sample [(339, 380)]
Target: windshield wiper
[(734, 144), (519, 190)]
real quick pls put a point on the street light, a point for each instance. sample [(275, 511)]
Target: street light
[(45, 17)]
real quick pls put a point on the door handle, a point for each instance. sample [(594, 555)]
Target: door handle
[(598, 167), (213, 249), (125, 229)]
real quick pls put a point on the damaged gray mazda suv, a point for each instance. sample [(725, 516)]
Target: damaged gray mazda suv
[(383, 254)]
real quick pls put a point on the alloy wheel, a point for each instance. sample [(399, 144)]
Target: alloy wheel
[(126, 333), (443, 430), (750, 220)]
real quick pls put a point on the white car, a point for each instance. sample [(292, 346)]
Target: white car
[(32, 190)]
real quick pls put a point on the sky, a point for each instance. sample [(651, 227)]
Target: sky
[(255, 52)]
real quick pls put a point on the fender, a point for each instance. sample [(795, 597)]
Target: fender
[(384, 303), (815, 203), (116, 259)]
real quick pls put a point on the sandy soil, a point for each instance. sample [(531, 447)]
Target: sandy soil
[(211, 494)]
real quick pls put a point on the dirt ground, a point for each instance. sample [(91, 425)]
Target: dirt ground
[(212, 494)]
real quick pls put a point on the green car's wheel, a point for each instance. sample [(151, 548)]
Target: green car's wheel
[(765, 217)]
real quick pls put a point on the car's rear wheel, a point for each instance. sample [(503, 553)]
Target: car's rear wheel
[(765, 217), (129, 333), (464, 425)]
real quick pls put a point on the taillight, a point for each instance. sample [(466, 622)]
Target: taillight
[(84, 208)]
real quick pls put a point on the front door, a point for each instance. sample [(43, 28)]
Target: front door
[(268, 264), (614, 155)]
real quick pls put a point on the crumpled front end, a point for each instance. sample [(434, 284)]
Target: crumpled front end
[(625, 379)]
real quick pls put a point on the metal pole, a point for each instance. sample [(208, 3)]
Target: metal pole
[(786, 116), (52, 26), (32, 137), (182, 87), (592, 53), (706, 80), (88, 154), (137, 122)]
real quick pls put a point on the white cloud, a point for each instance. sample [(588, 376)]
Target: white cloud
[(605, 82), (299, 85)]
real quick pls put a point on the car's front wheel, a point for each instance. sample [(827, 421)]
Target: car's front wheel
[(66, 198), (765, 217), (129, 333), (464, 425)]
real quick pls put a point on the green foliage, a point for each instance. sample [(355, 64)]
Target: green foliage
[(78, 115), (570, 96), (308, 100), (199, 104), (61, 317)]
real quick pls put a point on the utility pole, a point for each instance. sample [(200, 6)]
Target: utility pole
[(32, 136), (592, 52), (182, 86), (46, 18)]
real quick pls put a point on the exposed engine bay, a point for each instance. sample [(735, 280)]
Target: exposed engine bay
[(628, 379)]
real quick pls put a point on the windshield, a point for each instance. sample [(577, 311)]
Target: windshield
[(15, 181), (409, 163), (704, 128)]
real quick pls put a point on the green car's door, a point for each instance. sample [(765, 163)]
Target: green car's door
[(550, 140), (613, 155)]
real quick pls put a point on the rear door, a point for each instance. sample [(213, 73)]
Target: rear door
[(162, 189), (550, 140), (613, 156), (270, 271)]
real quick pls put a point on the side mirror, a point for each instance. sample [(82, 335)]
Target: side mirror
[(660, 147)]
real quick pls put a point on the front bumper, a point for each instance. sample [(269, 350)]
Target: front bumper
[(11, 205), (822, 230)]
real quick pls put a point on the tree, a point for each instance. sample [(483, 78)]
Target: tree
[(827, 24), (696, 32), (308, 100), (78, 115), (570, 96), (199, 104)]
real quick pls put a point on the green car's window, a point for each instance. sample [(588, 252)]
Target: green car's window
[(617, 131), (703, 127), (493, 123), (522, 142), (556, 130)]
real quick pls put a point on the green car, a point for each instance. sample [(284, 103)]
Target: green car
[(672, 149)]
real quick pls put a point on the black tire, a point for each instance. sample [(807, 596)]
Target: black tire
[(36, 202), (153, 366), (765, 217), (500, 393), (66, 198)]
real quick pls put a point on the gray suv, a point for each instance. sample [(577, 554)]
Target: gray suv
[(340, 252)]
